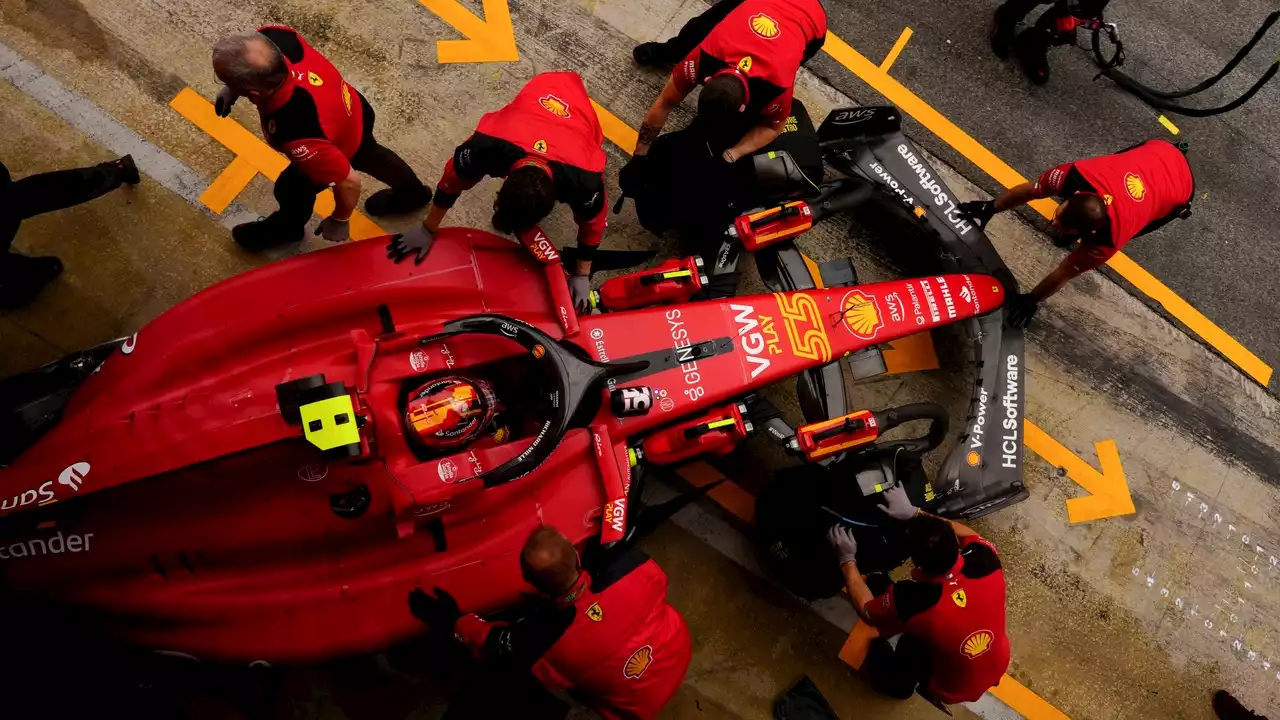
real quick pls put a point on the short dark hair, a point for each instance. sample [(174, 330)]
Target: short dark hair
[(1083, 212), (249, 62), (549, 562), (527, 196), (722, 97), (933, 544)]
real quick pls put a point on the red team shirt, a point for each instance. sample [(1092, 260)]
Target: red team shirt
[(766, 41), (1140, 186), (316, 119)]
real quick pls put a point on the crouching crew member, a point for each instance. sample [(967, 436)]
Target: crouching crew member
[(745, 54), (322, 124), (951, 614), (1107, 201), (547, 144), (605, 633)]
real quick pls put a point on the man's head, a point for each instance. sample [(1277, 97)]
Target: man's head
[(549, 562), (1081, 214), (250, 64), (527, 196), (933, 544), (722, 98)]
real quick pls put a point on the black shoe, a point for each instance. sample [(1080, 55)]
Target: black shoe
[(262, 234), (22, 278), (648, 54), (1226, 707), (1002, 37), (128, 171), (1034, 57), (390, 201)]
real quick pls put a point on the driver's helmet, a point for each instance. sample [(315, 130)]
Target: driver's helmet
[(450, 412)]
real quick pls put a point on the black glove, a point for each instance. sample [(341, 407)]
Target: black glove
[(979, 211), (580, 289), (632, 179), (439, 611), (222, 104), (417, 239), (1021, 309)]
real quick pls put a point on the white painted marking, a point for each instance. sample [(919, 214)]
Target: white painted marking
[(726, 540), (82, 114)]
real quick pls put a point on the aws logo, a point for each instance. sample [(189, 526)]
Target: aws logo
[(765, 26), (861, 314), (978, 643), (1134, 186), (555, 106)]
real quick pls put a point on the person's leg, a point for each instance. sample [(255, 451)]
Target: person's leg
[(297, 197), (405, 192), (1006, 21), (690, 36), (513, 695), (46, 192), (887, 672)]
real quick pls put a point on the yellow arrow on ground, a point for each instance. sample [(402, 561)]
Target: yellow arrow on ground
[(1108, 490), (492, 39)]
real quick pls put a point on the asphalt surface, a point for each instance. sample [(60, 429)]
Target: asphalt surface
[(1224, 260)]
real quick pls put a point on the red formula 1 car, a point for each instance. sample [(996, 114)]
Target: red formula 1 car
[(239, 480)]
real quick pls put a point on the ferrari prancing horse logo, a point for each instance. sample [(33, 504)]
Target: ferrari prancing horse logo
[(959, 598), (595, 613)]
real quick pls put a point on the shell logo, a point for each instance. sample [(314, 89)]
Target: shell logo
[(638, 663), (1133, 184), (346, 98), (314, 79), (554, 105), (765, 26), (973, 458), (977, 643), (861, 315)]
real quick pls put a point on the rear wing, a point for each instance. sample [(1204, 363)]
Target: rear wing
[(984, 471)]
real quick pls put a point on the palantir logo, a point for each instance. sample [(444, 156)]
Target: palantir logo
[(74, 475)]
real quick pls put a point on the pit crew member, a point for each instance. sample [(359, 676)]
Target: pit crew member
[(22, 277), (951, 614), (1056, 26), (547, 145), (1107, 201), (321, 124), (745, 54), (601, 628)]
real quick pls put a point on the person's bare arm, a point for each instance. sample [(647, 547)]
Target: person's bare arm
[(1018, 195), (346, 195), (435, 216), (858, 590), (757, 137), (656, 118)]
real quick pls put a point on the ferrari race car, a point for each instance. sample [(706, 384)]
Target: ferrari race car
[(244, 478)]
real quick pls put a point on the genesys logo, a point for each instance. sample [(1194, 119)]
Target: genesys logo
[(72, 476), (48, 545)]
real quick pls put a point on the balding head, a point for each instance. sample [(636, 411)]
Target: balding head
[(549, 562), (249, 64), (1082, 213)]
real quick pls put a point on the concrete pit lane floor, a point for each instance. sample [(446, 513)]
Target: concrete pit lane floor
[(1133, 615)]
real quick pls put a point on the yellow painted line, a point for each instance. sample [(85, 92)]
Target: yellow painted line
[(1028, 704), (492, 39), (224, 189), (1168, 124), (1108, 490), (987, 161), (896, 50), (253, 155), (617, 132)]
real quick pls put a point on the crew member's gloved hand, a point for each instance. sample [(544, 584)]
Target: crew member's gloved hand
[(1021, 309), (898, 506), (438, 611), (843, 543), (222, 104), (580, 289), (334, 230), (416, 239), (632, 179), (979, 211)]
